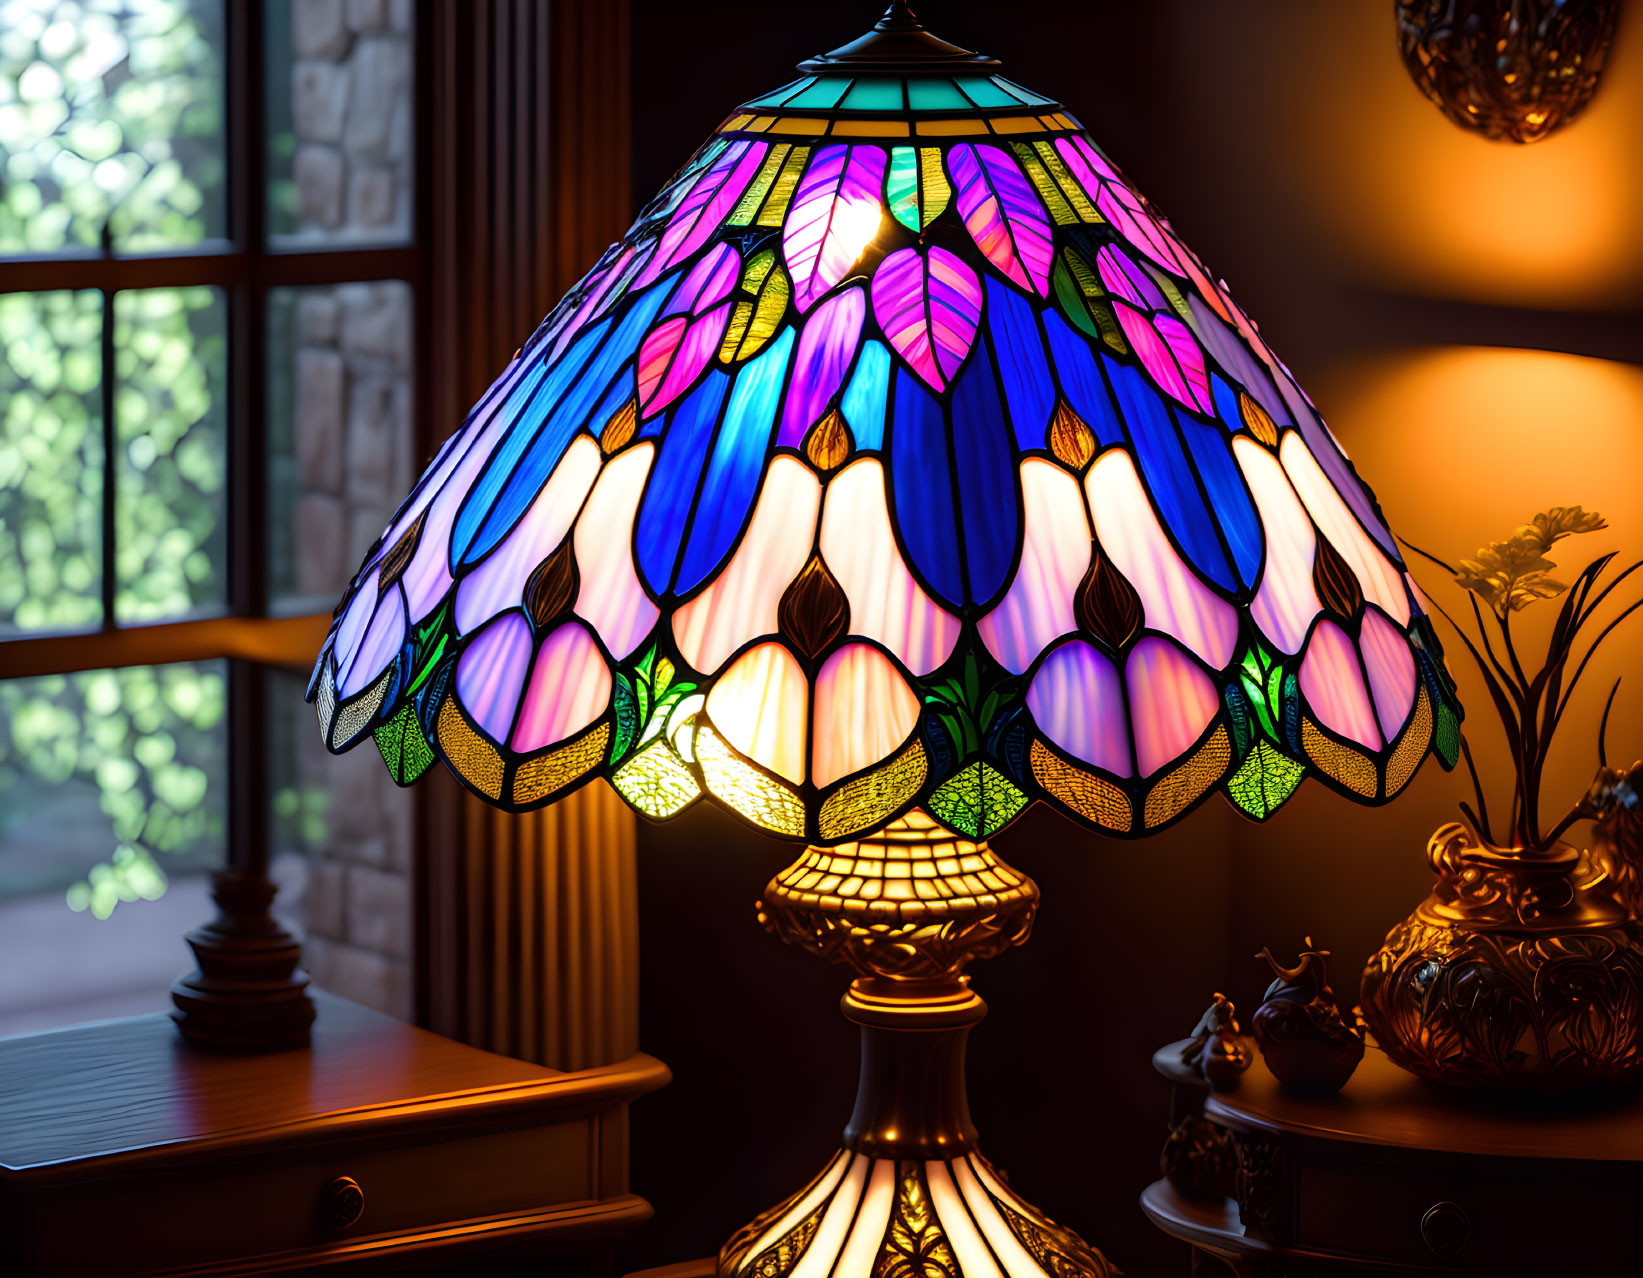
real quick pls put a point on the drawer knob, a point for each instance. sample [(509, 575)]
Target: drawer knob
[(342, 1203), (1446, 1227)]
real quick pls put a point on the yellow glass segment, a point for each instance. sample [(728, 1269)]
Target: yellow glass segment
[(1353, 770), (1412, 749), (748, 205), (537, 778), (1094, 798), (475, 759), (743, 788), (863, 804), (781, 193), (1047, 190), (656, 782), (1177, 789), (1074, 194)]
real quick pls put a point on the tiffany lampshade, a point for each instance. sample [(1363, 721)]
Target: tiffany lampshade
[(898, 469)]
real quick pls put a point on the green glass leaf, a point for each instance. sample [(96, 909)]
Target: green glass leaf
[(626, 715), (404, 749), (1267, 778), (901, 187), (1446, 733), (977, 802)]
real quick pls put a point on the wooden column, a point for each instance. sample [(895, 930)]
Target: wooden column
[(527, 926)]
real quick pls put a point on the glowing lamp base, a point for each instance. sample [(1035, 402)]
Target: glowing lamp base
[(909, 1194)]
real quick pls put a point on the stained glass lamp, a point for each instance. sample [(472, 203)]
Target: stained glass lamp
[(899, 469)]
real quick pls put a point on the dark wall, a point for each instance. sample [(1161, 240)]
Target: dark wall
[(1360, 229)]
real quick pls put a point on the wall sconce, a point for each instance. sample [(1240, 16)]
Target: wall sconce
[(1508, 69)]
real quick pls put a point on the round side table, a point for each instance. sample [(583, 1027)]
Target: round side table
[(1395, 1175)]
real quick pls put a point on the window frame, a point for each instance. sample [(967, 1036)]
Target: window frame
[(246, 267)]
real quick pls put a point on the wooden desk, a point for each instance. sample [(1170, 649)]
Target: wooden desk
[(1395, 1175), (122, 1151)]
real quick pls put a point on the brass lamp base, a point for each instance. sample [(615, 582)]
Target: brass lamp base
[(908, 1194)]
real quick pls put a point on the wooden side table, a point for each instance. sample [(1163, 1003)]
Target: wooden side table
[(1395, 1175), (381, 1147)]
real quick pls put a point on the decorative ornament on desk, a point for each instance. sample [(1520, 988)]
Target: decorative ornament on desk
[(1515, 70), (1524, 967), (1217, 1048), (1304, 1040)]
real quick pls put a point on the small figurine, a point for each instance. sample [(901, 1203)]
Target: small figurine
[(1217, 1048), (1306, 1042)]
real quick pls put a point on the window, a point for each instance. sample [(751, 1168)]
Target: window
[(209, 275)]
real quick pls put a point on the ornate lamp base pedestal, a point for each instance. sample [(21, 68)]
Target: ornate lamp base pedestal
[(908, 1193)]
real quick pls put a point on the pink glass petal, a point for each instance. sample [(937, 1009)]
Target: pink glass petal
[(610, 597), (656, 353), (1153, 352), (1332, 683), (864, 711), (929, 309), (1118, 204), (499, 581), (1125, 279), (1003, 213), (886, 602), (380, 645), (1171, 703), (569, 688), (827, 344), (1286, 601), (835, 215), (1381, 582), (761, 705), (691, 352), (1077, 701), (1190, 357), (706, 283), (1391, 668), (710, 201), (491, 673), (1174, 600), (1055, 555), (740, 603)]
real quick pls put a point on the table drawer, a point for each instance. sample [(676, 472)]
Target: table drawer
[(1486, 1223)]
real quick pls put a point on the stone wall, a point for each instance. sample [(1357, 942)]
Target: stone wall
[(351, 113)]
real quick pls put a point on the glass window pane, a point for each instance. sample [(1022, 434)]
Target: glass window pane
[(340, 121), (51, 471), (112, 786), (339, 432), (170, 412), (110, 113)]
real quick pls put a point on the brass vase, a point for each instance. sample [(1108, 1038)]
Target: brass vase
[(1520, 970)]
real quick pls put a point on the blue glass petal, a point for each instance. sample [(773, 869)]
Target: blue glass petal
[(1081, 381), (621, 390), (1167, 474), (1212, 455), (921, 482), (1226, 402), (672, 487), (1021, 363), (864, 401), (524, 410), (738, 461), (473, 539), (986, 480)]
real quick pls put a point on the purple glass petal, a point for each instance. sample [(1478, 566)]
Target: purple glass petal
[(836, 212), (827, 344), (491, 673), (706, 283), (929, 309), (380, 645), (1125, 279), (706, 207), (1003, 213), (1077, 701), (355, 618), (1171, 703), (569, 689)]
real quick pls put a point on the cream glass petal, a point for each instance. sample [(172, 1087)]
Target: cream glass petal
[(741, 603), (801, 1210), (886, 602), (1175, 601), (1055, 555), (611, 598), (1286, 602), (759, 705), (1015, 1258), (975, 1259), (1380, 580), (872, 1220), (864, 710), (499, 581), (818, 1258), (1332, 683)]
